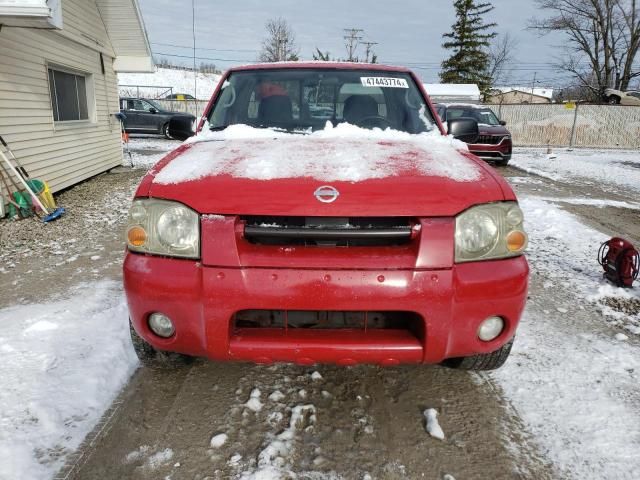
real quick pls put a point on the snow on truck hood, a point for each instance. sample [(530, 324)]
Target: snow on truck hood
[(247, 171), (344, 153)]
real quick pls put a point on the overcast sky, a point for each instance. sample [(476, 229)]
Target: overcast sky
[(408, 32)]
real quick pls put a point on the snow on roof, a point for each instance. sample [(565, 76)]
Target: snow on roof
[(343, 153), (538, 91), (469, 91), (182, 81)]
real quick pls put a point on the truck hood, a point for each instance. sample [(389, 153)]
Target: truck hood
[(414, 175)]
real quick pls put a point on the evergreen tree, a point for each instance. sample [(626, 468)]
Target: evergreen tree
[(469, 41)]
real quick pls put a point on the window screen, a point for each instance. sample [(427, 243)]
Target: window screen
[(68, 96)]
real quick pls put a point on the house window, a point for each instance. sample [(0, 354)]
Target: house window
[(68, 95)]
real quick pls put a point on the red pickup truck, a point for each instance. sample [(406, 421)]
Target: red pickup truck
[(321, 215)]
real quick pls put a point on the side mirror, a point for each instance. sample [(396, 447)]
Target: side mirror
[(153, 110), (182, 127), (503, 123), (464, 129)]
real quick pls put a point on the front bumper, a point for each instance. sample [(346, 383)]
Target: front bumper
[(202, 301), (500, 152)]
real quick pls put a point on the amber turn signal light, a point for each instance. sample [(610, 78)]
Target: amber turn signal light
[(516, 241), (136, 236)]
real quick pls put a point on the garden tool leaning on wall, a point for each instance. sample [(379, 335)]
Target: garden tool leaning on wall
[(37, 190)]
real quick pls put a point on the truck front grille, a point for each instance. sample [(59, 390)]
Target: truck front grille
[(329, 231)]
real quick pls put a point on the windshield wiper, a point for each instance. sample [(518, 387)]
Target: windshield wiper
[(218, 128), (286, 130)]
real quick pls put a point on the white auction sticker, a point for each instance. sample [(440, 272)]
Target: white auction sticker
[(384, 82)]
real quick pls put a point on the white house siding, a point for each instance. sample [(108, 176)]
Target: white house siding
[(62, 154), (124, 22)]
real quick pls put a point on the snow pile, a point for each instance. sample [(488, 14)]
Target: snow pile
[(182, 81), (160, 458), (62, 365), (608, 169), (276, 396), (594, 202), (218, 440), (343, 153), (432, 425), (254, 404), (272, 460)]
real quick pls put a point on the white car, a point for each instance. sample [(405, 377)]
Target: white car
[(617, 97)]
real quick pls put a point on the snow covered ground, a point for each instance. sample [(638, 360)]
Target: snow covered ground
[(563, 250), (63, 363), (610, 169), (182, 81), (574, 382), (144, 151), (572, 379)]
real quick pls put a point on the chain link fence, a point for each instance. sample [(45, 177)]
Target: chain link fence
[(594, 126)]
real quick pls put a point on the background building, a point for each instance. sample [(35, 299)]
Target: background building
[(58, 83)]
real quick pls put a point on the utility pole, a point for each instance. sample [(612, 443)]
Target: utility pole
[(195, 72), (368, 49), (352, 37)]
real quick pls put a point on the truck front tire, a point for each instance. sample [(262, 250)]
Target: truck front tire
[(484, 361), (152, 358)]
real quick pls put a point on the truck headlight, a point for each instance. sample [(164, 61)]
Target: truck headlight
[(162, 227), (490, 231)]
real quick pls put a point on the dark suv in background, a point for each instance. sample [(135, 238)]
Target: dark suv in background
[(494, 142), (146, 116)]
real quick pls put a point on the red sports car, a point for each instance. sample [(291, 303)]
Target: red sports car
[(494, 142), (321, 215)]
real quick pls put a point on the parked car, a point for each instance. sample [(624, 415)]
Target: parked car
[(494, 143), (146, 116), (179, 96), (281, 236), (617, 97)]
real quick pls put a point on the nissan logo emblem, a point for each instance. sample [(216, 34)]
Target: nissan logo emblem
[(326, 194)]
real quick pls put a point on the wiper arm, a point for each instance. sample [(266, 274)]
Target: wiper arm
[(217, 128), (286, 130)]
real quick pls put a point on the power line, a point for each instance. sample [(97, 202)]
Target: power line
[(161, 54), (204, 48), (352, 37), (418, 65), (368, 50)]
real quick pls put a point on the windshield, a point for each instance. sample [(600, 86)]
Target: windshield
[(484, 116), (306, 99), (154, 105)]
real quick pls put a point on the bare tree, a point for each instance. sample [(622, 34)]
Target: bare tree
[(501, 53), (603, 36), (280, 44)]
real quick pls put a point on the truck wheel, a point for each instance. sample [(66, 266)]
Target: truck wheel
[(152, 358), (485, 361), (613, 100), (165, 131)]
